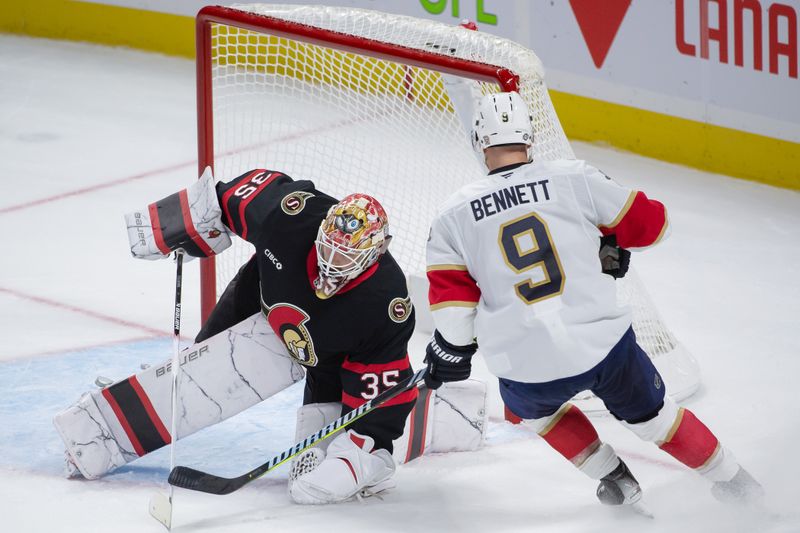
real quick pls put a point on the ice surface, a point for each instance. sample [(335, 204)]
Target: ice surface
[(88, 133)]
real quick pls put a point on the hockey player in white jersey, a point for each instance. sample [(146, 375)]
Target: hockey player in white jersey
[(513, 266)]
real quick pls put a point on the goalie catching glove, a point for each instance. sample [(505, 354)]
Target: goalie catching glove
[(190, 220), (447, 362), (614, 259)]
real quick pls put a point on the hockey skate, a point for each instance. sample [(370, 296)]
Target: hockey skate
[(619, 487), (741, 489)]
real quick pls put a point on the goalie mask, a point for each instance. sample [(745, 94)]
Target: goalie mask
[(502, 118), (351, 238)]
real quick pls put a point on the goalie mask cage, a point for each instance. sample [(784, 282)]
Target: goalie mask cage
[(354, 100)]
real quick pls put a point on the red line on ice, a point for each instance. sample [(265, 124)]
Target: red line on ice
[(151, 173), (93, 314), (92, 188)]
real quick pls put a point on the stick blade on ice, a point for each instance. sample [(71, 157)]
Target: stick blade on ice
[(160, 508)]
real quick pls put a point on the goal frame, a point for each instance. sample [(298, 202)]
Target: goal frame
[(209, 15)]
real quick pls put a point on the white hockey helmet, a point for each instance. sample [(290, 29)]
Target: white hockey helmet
[(502, 118)]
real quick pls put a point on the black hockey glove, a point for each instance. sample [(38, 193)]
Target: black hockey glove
[(615, 260), (447, 362)]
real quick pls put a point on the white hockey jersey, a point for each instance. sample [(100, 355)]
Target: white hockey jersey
[(513, 262)]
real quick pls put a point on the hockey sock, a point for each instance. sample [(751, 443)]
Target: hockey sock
[(690, 441), (571, 434)]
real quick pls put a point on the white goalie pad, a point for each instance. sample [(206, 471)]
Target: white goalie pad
[(450, 419), (190, 219), (219, 378)]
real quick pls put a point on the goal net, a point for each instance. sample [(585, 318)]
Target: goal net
[(356, 100)]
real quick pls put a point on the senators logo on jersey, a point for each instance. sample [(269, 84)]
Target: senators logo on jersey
[(294, 202), (288, 323), (400, 309)]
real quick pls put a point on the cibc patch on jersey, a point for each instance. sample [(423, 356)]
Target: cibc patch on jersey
[(288, 323), (294, 202), (400, 309)]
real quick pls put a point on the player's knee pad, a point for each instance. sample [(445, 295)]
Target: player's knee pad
[(569, 432), (657, 428)]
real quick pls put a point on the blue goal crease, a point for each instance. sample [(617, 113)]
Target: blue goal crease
[(33, 390)]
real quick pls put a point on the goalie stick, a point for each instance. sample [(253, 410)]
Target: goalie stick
[(160, 505), (189, 478)]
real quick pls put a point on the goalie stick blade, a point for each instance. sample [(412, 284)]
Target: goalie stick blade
[(191, 479), (160, 508)]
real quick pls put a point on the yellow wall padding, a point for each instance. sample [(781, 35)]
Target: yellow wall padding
[(110, 25), (704, 146), (711, 148)]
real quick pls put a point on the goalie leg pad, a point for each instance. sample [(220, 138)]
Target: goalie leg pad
[(219, 378), (92, 446), (451, 418), (311, 418), (351, 465), (314, 416)]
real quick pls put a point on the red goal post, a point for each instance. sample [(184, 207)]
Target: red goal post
[(355, 100)]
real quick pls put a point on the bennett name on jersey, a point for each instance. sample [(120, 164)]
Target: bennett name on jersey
[(509, 197)]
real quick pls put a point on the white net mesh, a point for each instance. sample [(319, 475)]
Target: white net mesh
[(353, 123)]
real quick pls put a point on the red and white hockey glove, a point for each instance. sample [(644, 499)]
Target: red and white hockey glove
[(190, 220), (447, 362)]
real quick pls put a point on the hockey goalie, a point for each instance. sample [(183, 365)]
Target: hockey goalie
[(321, 299)]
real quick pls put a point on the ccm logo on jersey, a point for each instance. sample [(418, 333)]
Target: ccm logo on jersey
[(294, 202), (444, 356), (243, 191), (272, 258)]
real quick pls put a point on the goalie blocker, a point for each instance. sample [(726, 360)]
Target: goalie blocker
[(190, 219), (238, 368)]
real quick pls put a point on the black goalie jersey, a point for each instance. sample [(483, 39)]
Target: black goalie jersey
[(354, 344)]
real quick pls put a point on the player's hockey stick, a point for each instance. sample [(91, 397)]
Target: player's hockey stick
[(160, 504), (189, 478)]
